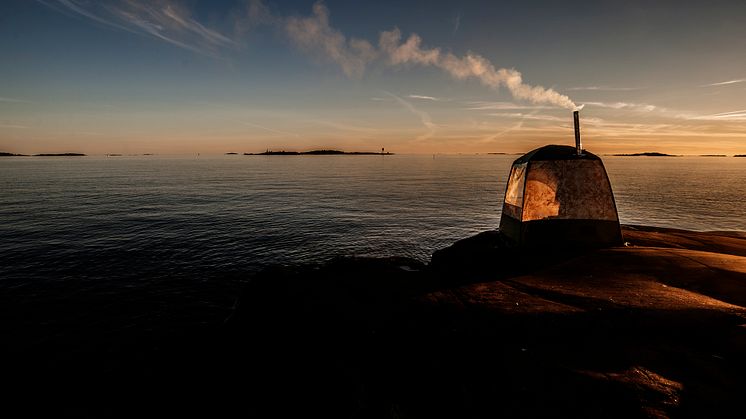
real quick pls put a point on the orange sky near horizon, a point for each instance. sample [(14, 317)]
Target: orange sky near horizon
[(133, 77)]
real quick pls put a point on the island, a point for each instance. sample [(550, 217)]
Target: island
[(740, 155), (5, 154), (231, 153), (713, 155), (319, 153), (645, 154), (60, 155)]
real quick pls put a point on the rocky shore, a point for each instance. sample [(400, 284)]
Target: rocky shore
[(656, 328), (653, 329)]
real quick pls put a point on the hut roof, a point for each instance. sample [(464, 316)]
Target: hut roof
[(555, 152)]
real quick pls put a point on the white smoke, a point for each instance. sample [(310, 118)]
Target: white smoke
[(469, 66), (313, 33)]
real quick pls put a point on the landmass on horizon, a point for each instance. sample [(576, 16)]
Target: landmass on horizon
[(4, 154), (645, 154), (318, 153)]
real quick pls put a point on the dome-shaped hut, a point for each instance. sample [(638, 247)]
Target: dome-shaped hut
[(558, 196)]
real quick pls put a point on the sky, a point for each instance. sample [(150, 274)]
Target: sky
[(164, 76)]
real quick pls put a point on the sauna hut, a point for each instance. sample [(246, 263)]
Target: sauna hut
[(560, 196)]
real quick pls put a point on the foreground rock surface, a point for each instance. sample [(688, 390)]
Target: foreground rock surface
[(653, 329)]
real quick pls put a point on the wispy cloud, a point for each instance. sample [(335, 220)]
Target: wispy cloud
[(421, 97), (604, 88), (723, 116), (14, 126), (166, 20), (489, 106), (12, 100), (456, 23), (530, 116), (724, 83), (639, 107)]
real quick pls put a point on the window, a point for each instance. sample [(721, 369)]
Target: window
[(514, 190)]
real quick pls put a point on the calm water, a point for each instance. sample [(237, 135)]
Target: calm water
[(108, 226)]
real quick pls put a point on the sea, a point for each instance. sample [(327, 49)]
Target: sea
[(163, 238)]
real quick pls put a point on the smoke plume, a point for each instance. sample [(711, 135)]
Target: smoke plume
[(315, 34), (470, 66)]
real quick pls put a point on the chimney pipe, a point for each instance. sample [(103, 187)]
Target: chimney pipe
[(578, 146)]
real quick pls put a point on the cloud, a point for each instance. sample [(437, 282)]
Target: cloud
[(165, 20), (12, 100), (315, 35), (488, 106), (725, 83), (254, 13), (723, 116), (604, 88), (456, 23), (639, 107), (530, 116), (431, 98), (14, 126)]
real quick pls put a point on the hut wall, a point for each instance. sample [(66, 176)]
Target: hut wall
[(568, 189)]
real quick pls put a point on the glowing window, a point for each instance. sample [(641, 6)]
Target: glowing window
[(514, 190)]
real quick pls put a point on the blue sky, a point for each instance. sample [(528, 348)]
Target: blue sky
[(412, 76)]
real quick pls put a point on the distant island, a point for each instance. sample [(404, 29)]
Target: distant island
[(713, 155), (60, 155), (317, 153), (231, 153), (646, 154), (740, 155), (5, 154)]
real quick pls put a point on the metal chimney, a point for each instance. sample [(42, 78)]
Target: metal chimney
[(578, 146)]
